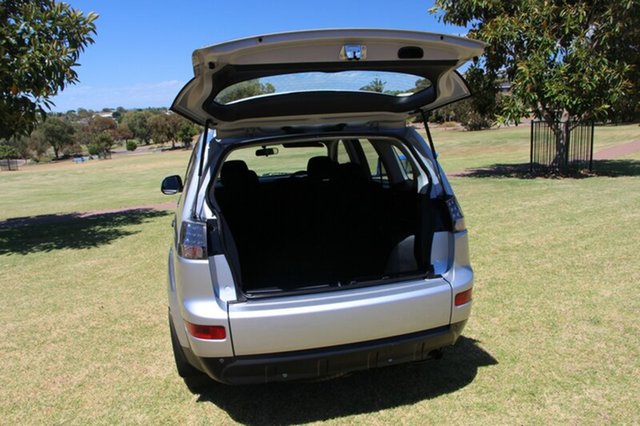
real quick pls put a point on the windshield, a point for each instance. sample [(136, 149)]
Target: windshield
[(388, 83)]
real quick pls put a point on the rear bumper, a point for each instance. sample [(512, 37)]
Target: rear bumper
[(318, 363)]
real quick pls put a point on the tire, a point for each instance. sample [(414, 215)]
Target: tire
[(182, 365)]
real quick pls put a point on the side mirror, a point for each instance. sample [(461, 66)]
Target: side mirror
[(171, 185)]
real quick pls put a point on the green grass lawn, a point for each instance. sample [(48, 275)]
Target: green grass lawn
[(553, 337), (466, 150), (126, 180)]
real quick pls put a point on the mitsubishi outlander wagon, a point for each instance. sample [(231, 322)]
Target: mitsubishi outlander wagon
[(316, 234)]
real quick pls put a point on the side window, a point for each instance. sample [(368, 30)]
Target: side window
[(389, 163), (342, 156), (376, 166), (405, 165)]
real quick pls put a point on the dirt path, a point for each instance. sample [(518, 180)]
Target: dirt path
[(617, 151)]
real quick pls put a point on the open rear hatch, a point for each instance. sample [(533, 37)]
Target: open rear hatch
[(246, 84)]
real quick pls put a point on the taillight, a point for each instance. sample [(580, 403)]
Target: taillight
[(193, 240), (464, 297), (455, 213), (207, 332)]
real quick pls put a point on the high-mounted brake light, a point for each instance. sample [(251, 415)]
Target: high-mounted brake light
[(193, 240), (455, 213), (464, 297), (207, 332), (353, 52)]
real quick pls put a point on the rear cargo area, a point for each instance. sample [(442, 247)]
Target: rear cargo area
[(329, 227)]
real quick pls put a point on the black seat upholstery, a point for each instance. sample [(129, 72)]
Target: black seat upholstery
[(351, 174), (321, 168), (236, 175), (239, 198), (332, 226)]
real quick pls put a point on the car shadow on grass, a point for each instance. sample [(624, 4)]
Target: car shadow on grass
[(608, 168), (362, 392), (69, 231)]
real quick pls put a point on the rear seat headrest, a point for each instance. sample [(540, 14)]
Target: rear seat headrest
[(321, 167), (233, 170), (351, 172)]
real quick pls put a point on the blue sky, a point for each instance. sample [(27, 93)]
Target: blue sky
[(142, 53)]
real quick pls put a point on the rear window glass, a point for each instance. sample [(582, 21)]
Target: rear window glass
[(382, 160), (283, 161), (388, 83)]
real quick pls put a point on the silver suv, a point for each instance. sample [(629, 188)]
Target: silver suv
[(316, 233)]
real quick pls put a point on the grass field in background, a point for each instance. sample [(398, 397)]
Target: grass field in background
[(134, 180), (64, 187), (553, 337), (459, 151)]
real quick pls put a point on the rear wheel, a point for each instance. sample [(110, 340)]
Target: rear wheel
[(182, 365)]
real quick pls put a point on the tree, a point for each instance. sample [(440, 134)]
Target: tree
[(40, 43), (19, 145), (174, 122), (565, 60), (376, 85), (421, 84), (101, 145), (99, 124), (84, 114), (186, 133), (37, 144), (245, 89), (8, 152), (177, 128), (160, 128), (122, 132), (118, 114), (138, 123), (58, 134)]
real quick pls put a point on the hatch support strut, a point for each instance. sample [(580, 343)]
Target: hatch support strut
[(423, 113), (203, 145)]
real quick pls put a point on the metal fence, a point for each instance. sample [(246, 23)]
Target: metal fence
[(6, 165), (576, 154)]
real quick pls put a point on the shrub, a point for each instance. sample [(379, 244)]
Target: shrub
[(93, 149), (8, 152), (131, 146), (103, 141)]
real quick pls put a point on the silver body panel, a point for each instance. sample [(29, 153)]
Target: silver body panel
[(341, 317)]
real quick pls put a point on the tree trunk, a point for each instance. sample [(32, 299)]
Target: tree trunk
[(561, 160), (561, 130)]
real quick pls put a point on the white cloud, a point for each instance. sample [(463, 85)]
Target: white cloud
[(160, 94)]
